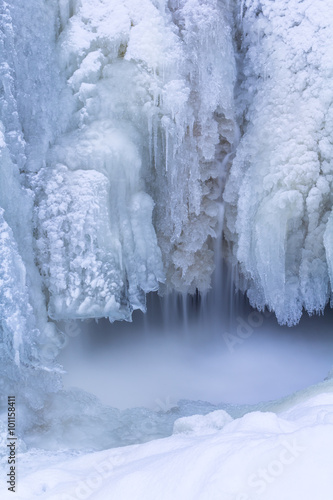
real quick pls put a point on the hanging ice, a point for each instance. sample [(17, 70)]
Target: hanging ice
[(118, 128), (279, 192), (146, 123), (115, 116)]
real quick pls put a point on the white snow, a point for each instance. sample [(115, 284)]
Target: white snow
[(281, 453)]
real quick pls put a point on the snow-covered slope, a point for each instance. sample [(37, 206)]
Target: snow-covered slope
[(280, 454)]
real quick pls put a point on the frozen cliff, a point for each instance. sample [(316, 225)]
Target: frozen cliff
[(133, 131)]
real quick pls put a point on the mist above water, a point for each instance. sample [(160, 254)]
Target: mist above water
[(186, 348)]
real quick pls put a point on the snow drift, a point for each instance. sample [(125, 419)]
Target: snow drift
[(207, 457)]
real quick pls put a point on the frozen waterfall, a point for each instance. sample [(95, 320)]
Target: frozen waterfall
[(279, 191), (141, 141)]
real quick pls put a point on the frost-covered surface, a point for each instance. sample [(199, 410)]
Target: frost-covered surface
[(192, 139), (279, 193), (24, 331), (117, 129), (97, 247), (113, 115), (119, 120), (119, 115), (152, 109), (278, 454)]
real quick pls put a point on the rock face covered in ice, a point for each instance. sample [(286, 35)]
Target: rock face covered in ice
[(28, 342), (279, 192)]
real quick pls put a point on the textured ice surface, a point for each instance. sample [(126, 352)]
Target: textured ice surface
[(115, 116), (149, 111), (28, 343), (279, 192), (120, 117)]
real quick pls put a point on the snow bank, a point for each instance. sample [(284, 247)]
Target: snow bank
[(198, 424), (260, 455)]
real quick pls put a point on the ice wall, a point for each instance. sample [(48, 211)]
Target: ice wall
[(117, 126), (97, 247), (150, 98), (279, 192), (193, 140), (28, 342), (120, 120), (117, 107)]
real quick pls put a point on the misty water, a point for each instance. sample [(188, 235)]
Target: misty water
[(153, 362), (187, 356)]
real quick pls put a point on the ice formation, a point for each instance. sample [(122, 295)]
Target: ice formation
[(29, 342), (134, 109), (114, 119), (119, 124), (279, 192), (115, 116)]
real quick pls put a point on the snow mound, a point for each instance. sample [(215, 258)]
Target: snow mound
[(202, 424)]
